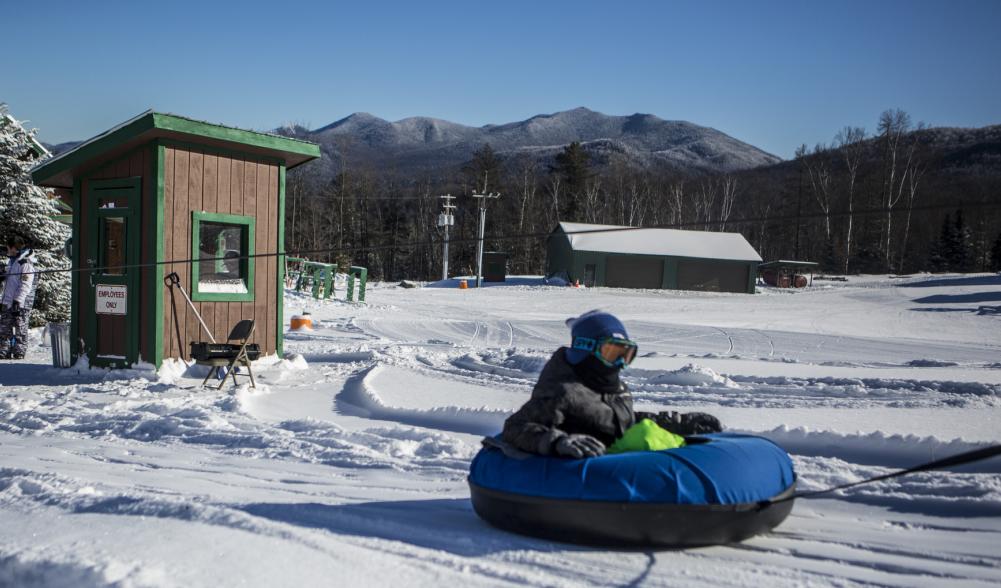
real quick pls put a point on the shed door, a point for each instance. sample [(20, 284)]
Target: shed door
[(631, 271), (111, 302), (712, 277)]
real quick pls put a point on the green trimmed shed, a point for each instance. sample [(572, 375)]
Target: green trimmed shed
[(152, 193), (634, 257)]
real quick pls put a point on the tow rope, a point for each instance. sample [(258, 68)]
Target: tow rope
[(955, 460)]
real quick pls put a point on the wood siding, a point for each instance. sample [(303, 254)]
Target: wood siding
[(201, 180), (136, 163)]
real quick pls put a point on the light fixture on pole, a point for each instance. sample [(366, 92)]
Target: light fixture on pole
[(483, 223)]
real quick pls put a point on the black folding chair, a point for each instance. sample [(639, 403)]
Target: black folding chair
[(241, 333)]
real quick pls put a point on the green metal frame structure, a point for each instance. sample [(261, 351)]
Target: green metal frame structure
[(361, 274), (315, 274)]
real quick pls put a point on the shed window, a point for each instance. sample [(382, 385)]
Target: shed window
[(221, 248)]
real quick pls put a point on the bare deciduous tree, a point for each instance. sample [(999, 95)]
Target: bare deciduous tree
[(592, 200), (819, 169), (555, 187), (705, 199), (893, 125), (676, 201), (728, 192), (915, 168), (851, 144)]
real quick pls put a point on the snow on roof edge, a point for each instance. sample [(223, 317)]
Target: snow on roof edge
[(659, 241)]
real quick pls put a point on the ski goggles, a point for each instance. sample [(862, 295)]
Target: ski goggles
[(611, 351)]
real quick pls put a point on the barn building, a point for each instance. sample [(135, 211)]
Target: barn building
[(159, 194), (607, 255)]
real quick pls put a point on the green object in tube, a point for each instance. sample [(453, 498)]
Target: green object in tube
[(646, 435)]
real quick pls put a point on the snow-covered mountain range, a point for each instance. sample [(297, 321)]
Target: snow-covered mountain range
[(429, 144)]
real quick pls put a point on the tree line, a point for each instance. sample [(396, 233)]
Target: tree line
[(898, 200)]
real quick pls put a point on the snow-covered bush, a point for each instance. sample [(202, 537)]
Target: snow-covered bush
[(26, 211)]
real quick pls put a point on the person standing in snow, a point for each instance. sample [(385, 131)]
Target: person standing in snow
[(17, 300), (580, 406)]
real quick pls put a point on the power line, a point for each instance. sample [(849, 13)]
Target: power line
[(530, 235)]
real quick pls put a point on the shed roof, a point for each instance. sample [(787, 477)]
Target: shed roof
[(789, 264), (60, 171), (673, 242)]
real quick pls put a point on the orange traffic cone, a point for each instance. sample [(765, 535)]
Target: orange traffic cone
[(463, 285)]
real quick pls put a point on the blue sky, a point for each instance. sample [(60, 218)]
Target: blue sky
[(773, 74)]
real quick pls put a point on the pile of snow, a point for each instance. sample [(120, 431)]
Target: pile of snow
[(293, 361), (693, 375)]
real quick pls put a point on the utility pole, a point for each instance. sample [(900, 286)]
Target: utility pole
[(483, 223), (799, 212), (799, 199), (446, 219)]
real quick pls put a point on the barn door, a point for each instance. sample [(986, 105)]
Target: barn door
[(111, 333), (634, 271)]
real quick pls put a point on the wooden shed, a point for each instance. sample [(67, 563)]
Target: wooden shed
[(155, 195), (633, 257)]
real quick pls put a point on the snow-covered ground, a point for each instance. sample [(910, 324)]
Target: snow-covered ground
[(347, 464)]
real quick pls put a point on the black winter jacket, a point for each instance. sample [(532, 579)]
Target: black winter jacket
[(561, 405)]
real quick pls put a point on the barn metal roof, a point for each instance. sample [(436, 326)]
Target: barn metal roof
[(668, 242), (791, 264)]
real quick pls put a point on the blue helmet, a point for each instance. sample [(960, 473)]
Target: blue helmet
[(592, 325)]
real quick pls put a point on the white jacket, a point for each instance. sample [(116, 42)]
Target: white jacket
[(20, 283)]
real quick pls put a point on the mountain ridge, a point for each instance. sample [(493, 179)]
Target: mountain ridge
[(425, 143)]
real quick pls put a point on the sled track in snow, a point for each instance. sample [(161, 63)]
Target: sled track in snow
[(359, 398)]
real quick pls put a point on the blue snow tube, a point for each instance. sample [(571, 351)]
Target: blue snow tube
[(717, 489)]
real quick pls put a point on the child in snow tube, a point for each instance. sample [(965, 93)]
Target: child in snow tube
[(580, 407), (697, 494), (716, 489)]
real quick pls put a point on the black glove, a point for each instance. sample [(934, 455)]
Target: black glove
[(578, 446), (15, 308), (689, 423)]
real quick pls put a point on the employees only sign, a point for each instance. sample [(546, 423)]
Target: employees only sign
[(111, 298)]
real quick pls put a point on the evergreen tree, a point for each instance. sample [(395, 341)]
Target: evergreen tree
[(996, 255), (831, 261), (867, 260), (574, 165), (940, 253), (961, 245), (484, 170), (26, 211)]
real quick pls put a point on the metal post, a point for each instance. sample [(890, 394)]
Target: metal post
[(446, 219), (444, 257), (479, 245), (483, 224)]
